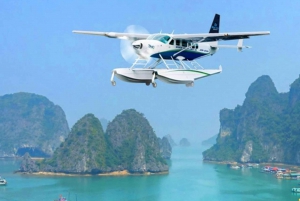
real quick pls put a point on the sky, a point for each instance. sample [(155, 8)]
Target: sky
[(40, 54)]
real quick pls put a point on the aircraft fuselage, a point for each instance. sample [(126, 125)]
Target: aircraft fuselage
[(164, 46)]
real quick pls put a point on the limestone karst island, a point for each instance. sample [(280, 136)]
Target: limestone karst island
[(264, 129), (33, 126)]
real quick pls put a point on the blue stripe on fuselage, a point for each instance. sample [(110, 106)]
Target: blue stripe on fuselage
[(188, 55)]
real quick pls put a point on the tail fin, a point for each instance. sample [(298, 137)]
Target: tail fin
[(215, 26)]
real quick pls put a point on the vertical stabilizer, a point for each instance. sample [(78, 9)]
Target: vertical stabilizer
[(215, 26)]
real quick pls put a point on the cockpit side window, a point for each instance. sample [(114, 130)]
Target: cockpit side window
[(164, 39), (172, 42)]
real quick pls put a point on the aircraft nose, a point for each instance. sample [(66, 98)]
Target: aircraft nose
[(137, 45)]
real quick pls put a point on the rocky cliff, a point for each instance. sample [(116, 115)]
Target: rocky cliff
[(264, 129), (28, 165), (134, 142), (85, 150), (30, 123)]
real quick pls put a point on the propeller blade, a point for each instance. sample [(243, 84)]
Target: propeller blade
[(126, 48)]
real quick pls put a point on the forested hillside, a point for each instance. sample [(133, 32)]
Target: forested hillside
[(264, 129), (30, 123)]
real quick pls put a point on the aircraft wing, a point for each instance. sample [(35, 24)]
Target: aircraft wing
[(126, 36), (209, 37)]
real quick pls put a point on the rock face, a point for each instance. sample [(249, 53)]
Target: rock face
[(28, 165), (129, 144), (30, 123), (135, 144), (184, 142), (264, 129), (165, 147)]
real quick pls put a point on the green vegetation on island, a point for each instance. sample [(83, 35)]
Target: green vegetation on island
[(264, 129), (134, 142), (32, 123), (129, 144)]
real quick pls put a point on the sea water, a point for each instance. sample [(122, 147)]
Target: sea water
[(189, 178)]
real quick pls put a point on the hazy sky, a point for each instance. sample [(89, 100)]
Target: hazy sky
[(40, 54)]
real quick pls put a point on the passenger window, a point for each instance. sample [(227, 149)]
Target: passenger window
[(184, 43), (178, 42), (172, 42)]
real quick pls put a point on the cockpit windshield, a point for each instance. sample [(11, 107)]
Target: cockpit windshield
[(160, 37)]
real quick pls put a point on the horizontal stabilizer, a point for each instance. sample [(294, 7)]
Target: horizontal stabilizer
[(230, 46), (239, 46)]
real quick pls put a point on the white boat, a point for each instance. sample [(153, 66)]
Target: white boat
[(235, 167), (61, 198), (3, 182)]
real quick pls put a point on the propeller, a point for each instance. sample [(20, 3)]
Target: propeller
[(126, 48)]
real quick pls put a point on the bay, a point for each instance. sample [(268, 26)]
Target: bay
[(189, 178)]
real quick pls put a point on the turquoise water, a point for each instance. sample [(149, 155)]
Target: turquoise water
[(189, 179)]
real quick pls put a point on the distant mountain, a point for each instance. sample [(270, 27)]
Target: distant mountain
[(184, 142), (104, 123), (264, 129), (30, 123), (165, 147), (210, 141), (129, 144), (171, 141)]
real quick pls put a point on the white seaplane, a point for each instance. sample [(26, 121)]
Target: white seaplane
[(176, 52)]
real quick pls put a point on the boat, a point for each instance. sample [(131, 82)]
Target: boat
[(3, 182), (267, 169), (61, 198), (296, 190), (279, 174)]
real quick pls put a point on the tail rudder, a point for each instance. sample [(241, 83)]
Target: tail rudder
[(215, 26)]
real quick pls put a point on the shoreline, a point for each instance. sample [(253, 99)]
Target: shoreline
[(114, 173), (297, 167)]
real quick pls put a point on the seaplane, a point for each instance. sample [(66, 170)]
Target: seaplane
[(171, 58)]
